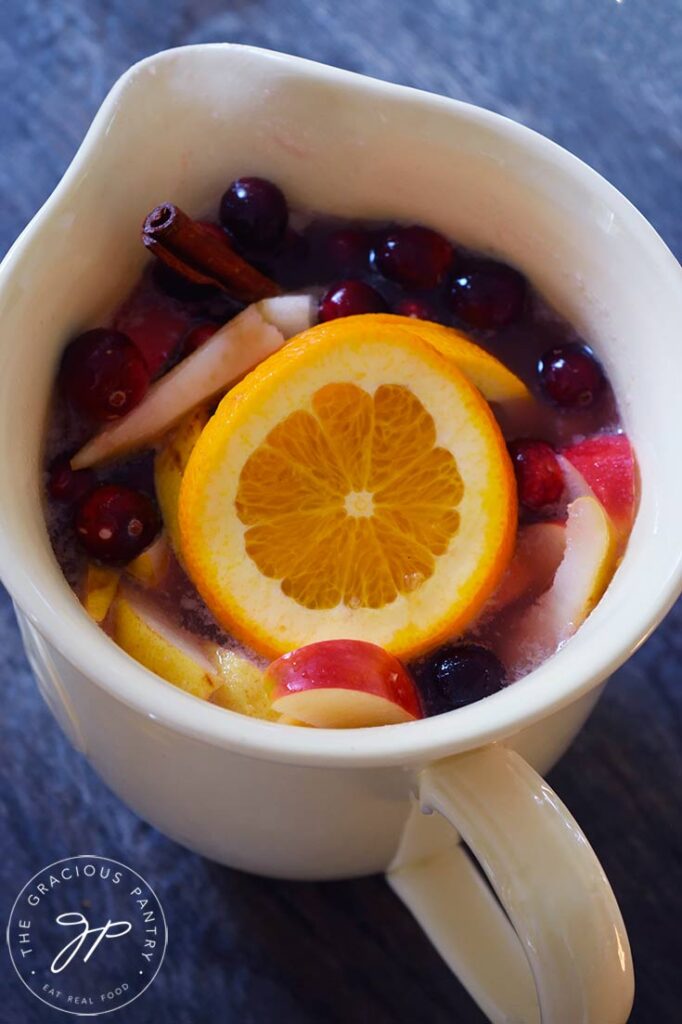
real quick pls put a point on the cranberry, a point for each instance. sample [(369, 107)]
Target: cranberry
[(195, 338), (570, 376), (114, 523), (415, 257), (420, 309), (255, 213), (347, 298), (456, 675), (539, 478), (349, 250), (488, 295), (103, 374), (69, 485)]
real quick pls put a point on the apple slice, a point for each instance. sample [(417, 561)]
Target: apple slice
[(151, 566), (606, 463), (537, 556), (169, 465), (99, 590), (173, 654), (233, 350), (342, 684), (241, 686), (589, 562)]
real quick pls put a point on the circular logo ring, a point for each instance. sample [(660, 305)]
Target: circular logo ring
[(87, 935)]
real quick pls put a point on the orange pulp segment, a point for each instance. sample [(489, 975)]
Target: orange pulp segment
[(356, 485)]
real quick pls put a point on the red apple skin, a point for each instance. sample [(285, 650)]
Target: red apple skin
[(346, 665), (607, 464)]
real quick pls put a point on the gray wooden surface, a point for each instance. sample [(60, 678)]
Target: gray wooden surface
[(604, 79)]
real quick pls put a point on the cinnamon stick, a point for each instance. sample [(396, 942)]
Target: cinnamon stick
[(192, 250)]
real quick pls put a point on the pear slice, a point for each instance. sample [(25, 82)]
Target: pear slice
[(174, 655), (99, 590), (231, 352), (151, 566), (587, 566), (243, 686), (169, 465), (539, 550)]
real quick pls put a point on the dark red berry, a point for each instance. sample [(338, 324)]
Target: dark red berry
[(348, 298), (420, 309), (539, 479), (415, 257), (255, 213), (456, 675), (69, 485), (488, 295), (195, 338), (349, 250), (114, 523), (570, 376), (103, 374)]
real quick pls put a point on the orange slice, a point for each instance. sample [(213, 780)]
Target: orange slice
[(354, 485), (492, 378)]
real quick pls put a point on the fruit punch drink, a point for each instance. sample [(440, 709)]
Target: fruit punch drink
[(333, 474)]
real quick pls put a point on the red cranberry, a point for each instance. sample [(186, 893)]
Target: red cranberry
[(570, 376), (255, 213), (103, 374), (69, 485), (415, 257), (539, 478), (349, 250), (347, 298), (456, 675), (114, 523), (195, 338), (420, 309), (488, 295)]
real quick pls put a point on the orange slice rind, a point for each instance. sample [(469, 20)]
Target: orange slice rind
[(354, 485), (493, 379)]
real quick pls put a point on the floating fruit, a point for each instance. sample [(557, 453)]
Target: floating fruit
[(103, 374), (234, 348), (241, 686), (342, 684), (571, 377), (348, 250), (537, 556), (538, 474), (67, 485), (354, 485), (350, 298), (607, 465), (456, 675), (492, 378), (415, 256), (582, 577), (150, 568), (99, 590), (114, 524), (488, 295), (169, 465), (255, 213), (174, 655)]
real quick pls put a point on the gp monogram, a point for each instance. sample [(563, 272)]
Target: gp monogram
[(87, 935)]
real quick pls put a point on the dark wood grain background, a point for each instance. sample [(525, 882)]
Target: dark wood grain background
[(604, 79)]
